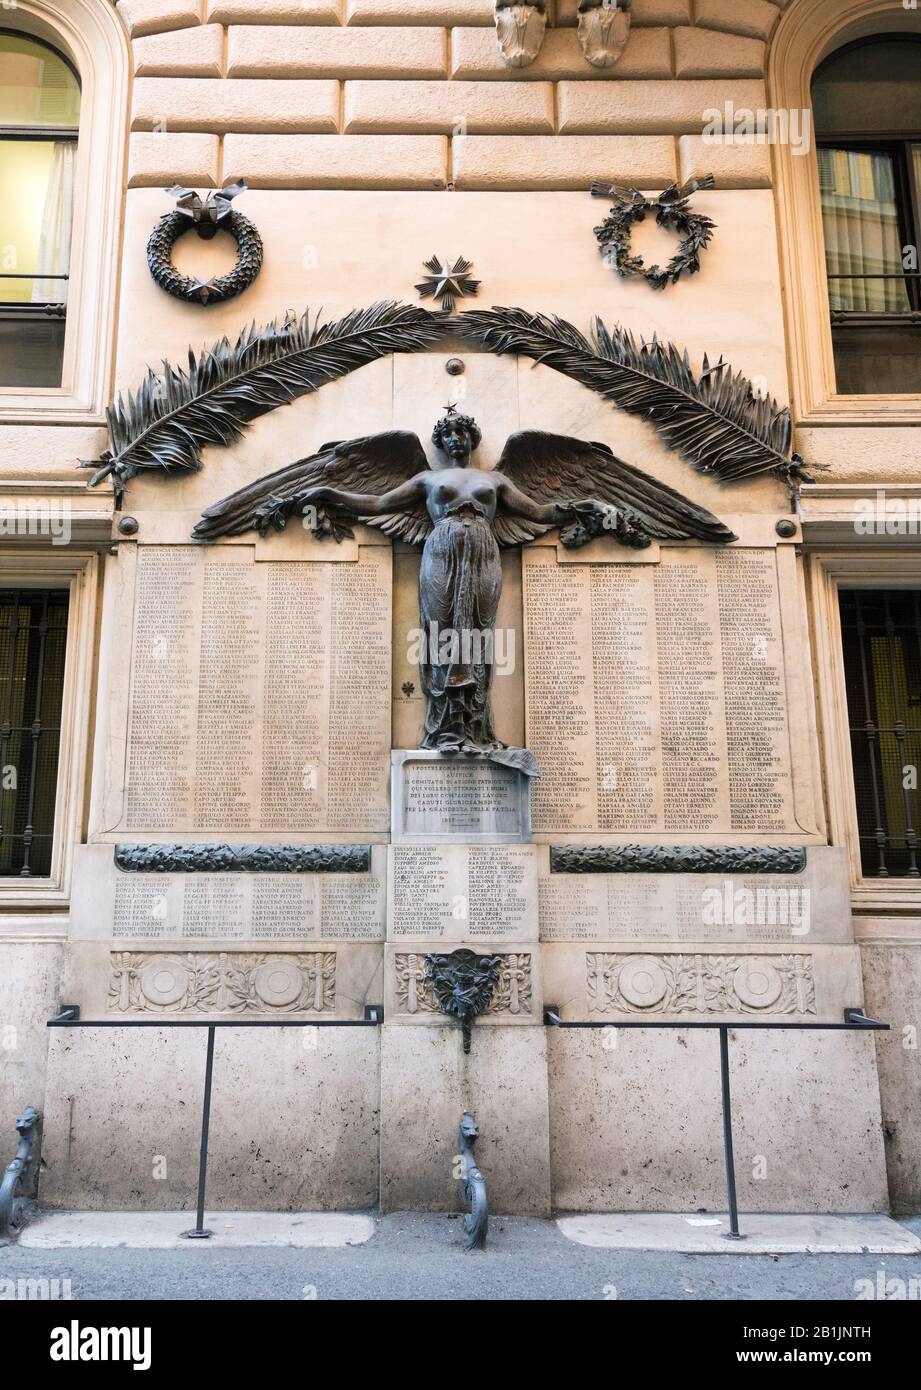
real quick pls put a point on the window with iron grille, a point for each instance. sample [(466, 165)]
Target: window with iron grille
[(33, 641), (881, 634)]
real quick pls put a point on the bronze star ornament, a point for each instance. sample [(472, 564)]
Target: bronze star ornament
[(447, 283)]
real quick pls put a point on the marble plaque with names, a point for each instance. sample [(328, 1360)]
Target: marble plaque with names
[(462, 893), (656, 695), (110, 903), (438, 798), (812, 906), (259, 694), (229, 907)]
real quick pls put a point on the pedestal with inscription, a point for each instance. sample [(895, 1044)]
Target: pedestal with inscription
[(462, 872)]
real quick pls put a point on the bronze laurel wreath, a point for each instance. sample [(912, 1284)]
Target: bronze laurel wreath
[(672, 212), (205, 217)]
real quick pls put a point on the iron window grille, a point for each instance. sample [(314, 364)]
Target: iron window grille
[(881, 637), (33, 644)]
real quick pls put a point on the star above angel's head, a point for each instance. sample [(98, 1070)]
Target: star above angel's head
[(447, 283)]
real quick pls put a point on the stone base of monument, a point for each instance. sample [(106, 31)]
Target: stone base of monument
[(637, 1126), (294, 1119), (427, 1082), (331, 1118)]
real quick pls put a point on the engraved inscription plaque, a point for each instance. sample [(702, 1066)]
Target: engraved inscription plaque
[(462, 892), (439, 799), (276, 681), (656, 694), (230, 907), (811, 906)]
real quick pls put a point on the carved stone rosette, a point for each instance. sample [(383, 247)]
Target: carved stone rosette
[(699, 984), (604, 26), (225, 982), (520, 31)]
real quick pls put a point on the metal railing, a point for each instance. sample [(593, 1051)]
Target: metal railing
[(855, 1021), (69, 1017)]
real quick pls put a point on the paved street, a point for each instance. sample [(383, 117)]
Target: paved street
[(419, 1257)]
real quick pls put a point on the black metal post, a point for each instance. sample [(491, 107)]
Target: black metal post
[(733, 1233), (199, 1232)]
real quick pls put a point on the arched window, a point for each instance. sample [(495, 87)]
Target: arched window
[(867, 107), (64, 65), (39, 124)]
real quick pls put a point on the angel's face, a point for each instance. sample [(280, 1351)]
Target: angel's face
[(457, 443)]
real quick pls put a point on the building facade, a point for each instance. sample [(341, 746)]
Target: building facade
[(200, 739)]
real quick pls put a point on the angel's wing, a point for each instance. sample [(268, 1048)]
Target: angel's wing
[(373, 464), (559, 468)]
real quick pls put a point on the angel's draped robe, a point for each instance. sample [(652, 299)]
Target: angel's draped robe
[(460, 579)]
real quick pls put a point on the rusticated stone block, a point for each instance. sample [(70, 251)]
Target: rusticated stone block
[(698, 53), (158, 16), (156, 159), (337, 161), (732, 164), (443, 107), (549, 161), (475, 56), (185, 103), (183, 53), (343, 53), (754, 17), (273, 11), (644, 108)]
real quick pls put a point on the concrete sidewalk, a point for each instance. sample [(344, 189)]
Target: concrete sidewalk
[(669, 1232), (415, 1256)]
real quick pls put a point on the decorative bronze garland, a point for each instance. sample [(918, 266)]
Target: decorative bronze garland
[(715, 419), (206, 218), (672, 212)]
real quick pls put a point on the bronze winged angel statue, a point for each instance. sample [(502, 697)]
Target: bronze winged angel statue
[(462, 514)]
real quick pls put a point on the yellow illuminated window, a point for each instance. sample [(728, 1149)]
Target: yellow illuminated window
[(39, 121)]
